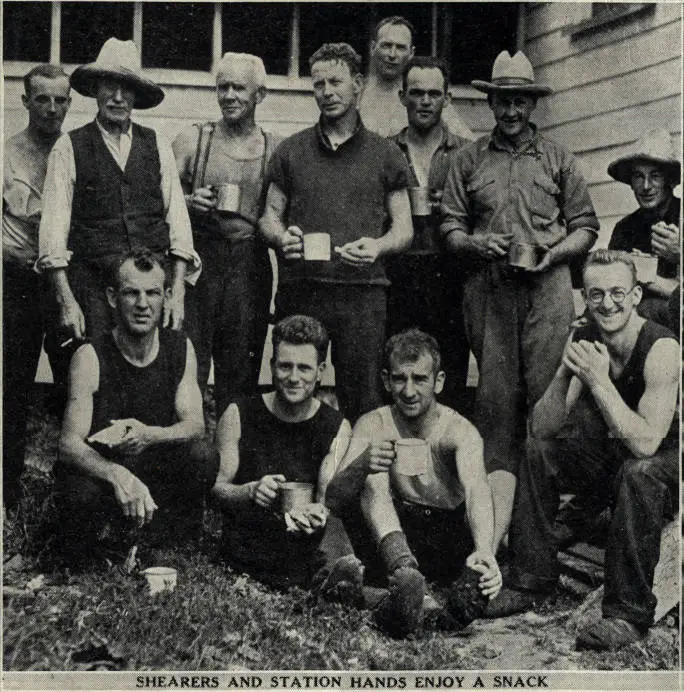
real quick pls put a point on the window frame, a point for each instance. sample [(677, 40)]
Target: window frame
[(292, 82)]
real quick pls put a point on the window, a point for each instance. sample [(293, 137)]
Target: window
[(191, 36), (26, 31), (177, 35), (606, 15), (87, 25), (266, 25)]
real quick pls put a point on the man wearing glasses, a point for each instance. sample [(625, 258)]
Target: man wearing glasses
[(606, 427)]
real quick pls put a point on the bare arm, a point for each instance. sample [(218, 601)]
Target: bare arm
[(333, 459), (131, 493), (377, 506), (575, 244), (662, 286), (643, 430), (288, 241)]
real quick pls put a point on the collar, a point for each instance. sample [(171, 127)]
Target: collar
[(497, 141), (449, 139), (323, 140), (108, 135)]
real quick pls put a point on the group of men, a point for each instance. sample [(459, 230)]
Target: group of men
[(154, 261)]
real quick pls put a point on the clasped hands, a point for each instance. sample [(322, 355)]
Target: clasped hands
[(495, 246), (589, 361)]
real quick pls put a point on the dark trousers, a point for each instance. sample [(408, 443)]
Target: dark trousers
[(641, 491), (354, 317), (227, 314), (88, 282), (427, 293), (22, 331), (178, 477)]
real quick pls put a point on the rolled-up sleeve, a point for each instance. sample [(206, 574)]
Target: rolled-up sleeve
[(454, 207), (58, 194), (176, 212), (576, 204)]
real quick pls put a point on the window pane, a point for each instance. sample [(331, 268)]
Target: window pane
[(328, 23), (479, 33), (87, 25), (262, 29), (26, 31), (177, 35), (608, 10)]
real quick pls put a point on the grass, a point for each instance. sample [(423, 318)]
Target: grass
[(217, 619)]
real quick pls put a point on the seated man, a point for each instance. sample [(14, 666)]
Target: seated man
[(266, 440), (652, 170), (437, 520), (605, 427), (137, 387)]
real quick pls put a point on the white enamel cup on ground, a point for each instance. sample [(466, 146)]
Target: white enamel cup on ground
[(317, 246), (413, 455), (161, 579)]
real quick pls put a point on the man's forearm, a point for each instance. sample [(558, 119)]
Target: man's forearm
[(661, 287), (182, 431), (575, 244), (461, 243), (178, 272), (76, 453), (59, 284), (397, 239), (481, 517), (231, 495), (271, 228), (549, 413)]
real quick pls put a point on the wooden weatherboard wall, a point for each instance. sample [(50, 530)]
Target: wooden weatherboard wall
[(613, 80)]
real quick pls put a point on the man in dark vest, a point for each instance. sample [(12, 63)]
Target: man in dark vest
[(111, 186), (605, 427), (130, 441)]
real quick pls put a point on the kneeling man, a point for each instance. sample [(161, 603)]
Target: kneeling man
[(438, 518), (606, 426), (130, 441)]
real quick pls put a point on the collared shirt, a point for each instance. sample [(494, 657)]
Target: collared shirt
[(425, 228), (24, 167), (58, 196), (535, 192), (341, 191)]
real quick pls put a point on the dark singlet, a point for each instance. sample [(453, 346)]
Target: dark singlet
[(255, 540)]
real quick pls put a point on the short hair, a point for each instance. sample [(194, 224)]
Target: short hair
[(409, 344), (254, 61), (425, 62), (43, 70), (338, 52), (394, 20), (603, 257), (301, 330), (143, 259)]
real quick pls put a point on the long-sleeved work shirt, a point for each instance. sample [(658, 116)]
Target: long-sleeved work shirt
[(536, 192), (58, 196)]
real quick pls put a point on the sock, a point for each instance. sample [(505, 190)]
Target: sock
[(395, 552)]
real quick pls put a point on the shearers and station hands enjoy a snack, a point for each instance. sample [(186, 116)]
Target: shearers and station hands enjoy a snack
[(386, 221)]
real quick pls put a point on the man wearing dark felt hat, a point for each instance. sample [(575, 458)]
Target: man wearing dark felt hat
[(514, 189), (111, 186)]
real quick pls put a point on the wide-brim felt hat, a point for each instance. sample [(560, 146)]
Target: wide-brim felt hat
[(654, 146), (118, 60), (512, 75)]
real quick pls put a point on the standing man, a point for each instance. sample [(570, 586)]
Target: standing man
[(111, 186), (652, 170), (339, 179), (222, 166), (46, 97), (130, 441), (426, 290), (381, 108), (606, 426), (514, 186)]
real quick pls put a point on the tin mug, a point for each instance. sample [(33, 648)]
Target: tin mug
[(420, 201), (228, 197), (413, 455), (523, 255), (294, 495)]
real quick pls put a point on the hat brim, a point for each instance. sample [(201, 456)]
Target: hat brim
[(147, 94), (531, 89), (621, 169)]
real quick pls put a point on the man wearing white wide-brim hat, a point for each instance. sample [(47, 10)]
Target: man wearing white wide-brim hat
[(111, 186), (652, 170), (514, 189)]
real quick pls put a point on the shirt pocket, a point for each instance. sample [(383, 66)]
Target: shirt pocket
[(544, 198), (482, 194)]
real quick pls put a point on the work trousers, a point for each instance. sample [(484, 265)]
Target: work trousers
[(354, 316), (22, 336), (517, 325), (178, 476), (227, 314), (642, 493), (427, 292)]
